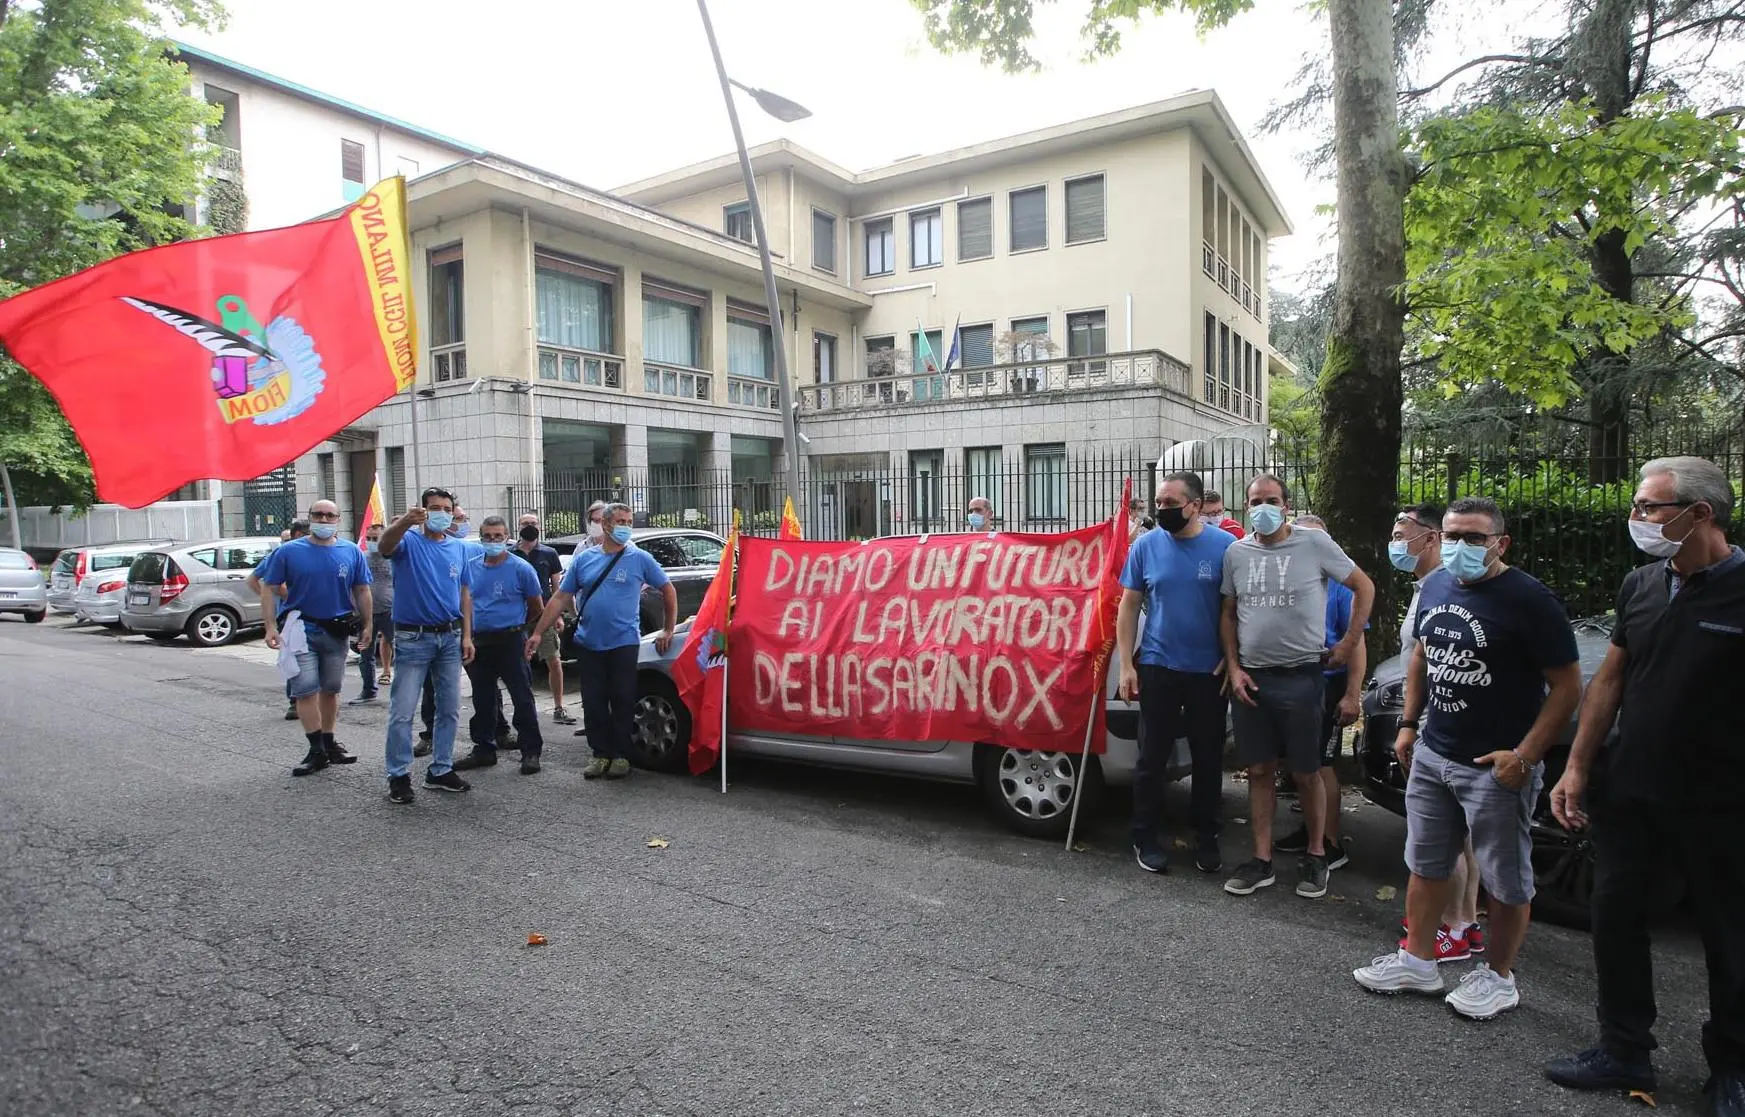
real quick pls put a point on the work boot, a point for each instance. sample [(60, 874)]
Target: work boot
[(337, 754), (480, 757), (312, 763)]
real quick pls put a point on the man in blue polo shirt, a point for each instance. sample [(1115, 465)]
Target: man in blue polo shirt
[(325, 581), (502, 595), (1174, 573), (606, 585), (431, 637)]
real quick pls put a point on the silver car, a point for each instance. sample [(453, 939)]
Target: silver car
[(200, 589), (71, 565), (104, 583), (1029, 791), (22, 589)]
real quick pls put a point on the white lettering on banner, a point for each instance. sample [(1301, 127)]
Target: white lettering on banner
[(999, 566), (849, 686)]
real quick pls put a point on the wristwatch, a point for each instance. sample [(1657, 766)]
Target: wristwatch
[(1412, 724)]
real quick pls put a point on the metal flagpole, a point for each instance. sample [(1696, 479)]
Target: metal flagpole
[(417, 458), (722, 749), (1078, 777)]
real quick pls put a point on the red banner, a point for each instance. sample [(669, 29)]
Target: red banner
[(996, 638)]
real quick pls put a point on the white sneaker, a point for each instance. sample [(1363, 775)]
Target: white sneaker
[(1399, 972), (1484, 994)]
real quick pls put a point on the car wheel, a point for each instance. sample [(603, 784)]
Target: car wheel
[(662, 741), (1031, 791), (36, 618), (1563, 874), (212, 627)]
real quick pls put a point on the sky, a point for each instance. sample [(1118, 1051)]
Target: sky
[(606, 92)]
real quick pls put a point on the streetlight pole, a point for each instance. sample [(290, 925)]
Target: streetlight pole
[(778, 335)]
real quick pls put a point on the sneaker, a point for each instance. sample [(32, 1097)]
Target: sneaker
[(596, 768), (448, 781), (563, 717), (1295, 842), (478, 758), (313, 762), (399, 789), (1151, 855), (580, 733), (1337, 858), (619, 769), (508, 743), (422, 748), (1484, 994), (363, 699), (1399, 972), (291, 712), (1251, 876), (1475, 939), (1449, 946), (1313, 886), (1599, 1069), (1207, 857), (529, 763), (338, 754)]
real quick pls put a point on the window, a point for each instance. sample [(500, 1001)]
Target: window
[(975, 229), (737, 222), (447, 297), (881, 248), (823, 358), (823, 241), (351, 170), (881, 361), (1208, 222), (246, 558), (976, 350), (1029, 218), (324, 484), (671, 325), (926, 239), (1087, 334), (1084, 209), (1210, 359), (396, 496), (1045, 482), (573, 304), (925, 355), (1223, 366), (748, 346), (699, 550), (981, 470)]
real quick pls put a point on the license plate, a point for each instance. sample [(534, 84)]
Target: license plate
[(139, 599), (7, 593)]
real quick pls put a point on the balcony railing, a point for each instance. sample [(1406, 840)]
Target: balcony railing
[(226, 162), (449, 362), (1146, 368), (1208, 259), (676, 381), (581, 367), (748, 391)]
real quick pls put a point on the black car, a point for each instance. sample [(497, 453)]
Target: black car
[(689, 557), (1562, 861)]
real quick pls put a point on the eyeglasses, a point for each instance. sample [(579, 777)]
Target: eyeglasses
[(1472, 538), (324, 517), (1642, 508)]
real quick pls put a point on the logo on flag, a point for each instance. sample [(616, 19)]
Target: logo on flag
[(266, 381)]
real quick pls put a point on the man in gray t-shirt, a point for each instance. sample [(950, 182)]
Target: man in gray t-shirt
[(382, 592), (1275, 650)]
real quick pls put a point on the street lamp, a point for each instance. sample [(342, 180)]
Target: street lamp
[(785, 110)]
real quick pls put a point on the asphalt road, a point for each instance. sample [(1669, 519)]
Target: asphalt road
[(184, 929)]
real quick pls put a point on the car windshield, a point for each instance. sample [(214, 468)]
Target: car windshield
[(14, 560), (701, 550), (148, 567), (111, 562), (66, 562)]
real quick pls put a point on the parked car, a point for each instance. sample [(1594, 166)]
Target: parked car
[(689, 557), (22, 589), (72, 564), (1563, 864), (103, 582), (197, 589)]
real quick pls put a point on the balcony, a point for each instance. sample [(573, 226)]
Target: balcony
[(750, 391), (449, 362), (581, 367), (1143, 369), (676, 381), (1208, 259), (226, 163)]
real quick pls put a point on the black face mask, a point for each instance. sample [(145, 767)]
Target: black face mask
[(530, 533), (1172, 520)]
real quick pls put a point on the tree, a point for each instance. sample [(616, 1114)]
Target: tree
[(96, 131), (1360, 383)]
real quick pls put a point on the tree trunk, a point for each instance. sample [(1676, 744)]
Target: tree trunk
[(1360, 383), (11, 507)]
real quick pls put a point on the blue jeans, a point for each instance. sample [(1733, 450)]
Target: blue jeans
[(416, 655)]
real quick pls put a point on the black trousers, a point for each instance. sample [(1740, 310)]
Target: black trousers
[(501, 656), (1175, 704), (1635, 845), (427, 707), (609, 699)]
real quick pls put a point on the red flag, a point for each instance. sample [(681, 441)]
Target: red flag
[(374, 513), (1102, 638), (790, 522), (700, 672), (224, 357)]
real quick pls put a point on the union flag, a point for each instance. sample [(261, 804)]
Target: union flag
[(790, 522), (224, 357), (700, 671)]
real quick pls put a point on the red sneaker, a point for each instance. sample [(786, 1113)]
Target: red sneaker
[(1449, 946), (1475, 939)]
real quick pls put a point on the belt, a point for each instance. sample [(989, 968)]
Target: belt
[(498, 634), (445, 626), (1285, 670)]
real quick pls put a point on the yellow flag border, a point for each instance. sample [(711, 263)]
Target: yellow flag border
[(378, 220)]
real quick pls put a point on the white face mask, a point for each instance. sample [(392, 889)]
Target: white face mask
[(1650, 538), (595, 531)]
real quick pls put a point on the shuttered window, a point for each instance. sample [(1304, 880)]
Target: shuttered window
[(1029, 217), (978, 346), (396, 497), (975, 229), (1084, 209), (823, 241)]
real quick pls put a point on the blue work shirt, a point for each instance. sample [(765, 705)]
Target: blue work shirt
[(500, 592), (1340, 599), (427, 574), (611, 618), (1180, 579), (318, 578)]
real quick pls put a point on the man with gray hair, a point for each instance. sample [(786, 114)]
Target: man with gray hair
[(1665, 794), (980, 514), (595, 525)]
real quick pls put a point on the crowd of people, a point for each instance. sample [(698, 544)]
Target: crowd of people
[(1263, 627)]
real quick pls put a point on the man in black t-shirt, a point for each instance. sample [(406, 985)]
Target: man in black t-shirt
[(1666, 799), (549, 566)]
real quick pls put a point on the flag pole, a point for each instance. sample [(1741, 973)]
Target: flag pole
[(1078, 776), (417, 456), (721, 752)]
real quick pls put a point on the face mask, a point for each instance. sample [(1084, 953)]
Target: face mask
[(621, 535), (438, 521), (977, 521), (530, 533), (460, 531), (1651, 538), (1400, 554), (1466, 562), (492, 550), (1172, 520), (595, 531), (1266, 518), (324, 531), (372, 544)]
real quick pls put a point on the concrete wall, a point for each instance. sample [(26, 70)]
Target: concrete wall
[(182, 520)]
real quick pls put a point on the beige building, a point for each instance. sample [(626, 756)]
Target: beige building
[(1103, 282)]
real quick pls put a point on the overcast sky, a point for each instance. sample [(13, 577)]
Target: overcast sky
[(606, 91)]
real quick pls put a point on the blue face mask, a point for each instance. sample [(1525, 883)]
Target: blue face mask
[(621, 535), (324, 531), (1400, 554), (977, 521), (1466, 562), (460, 531), (438, 521), (492, 550), (1266, 518)]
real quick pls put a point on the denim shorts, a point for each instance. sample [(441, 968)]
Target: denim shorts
[(322, 666), (1446, 801)]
